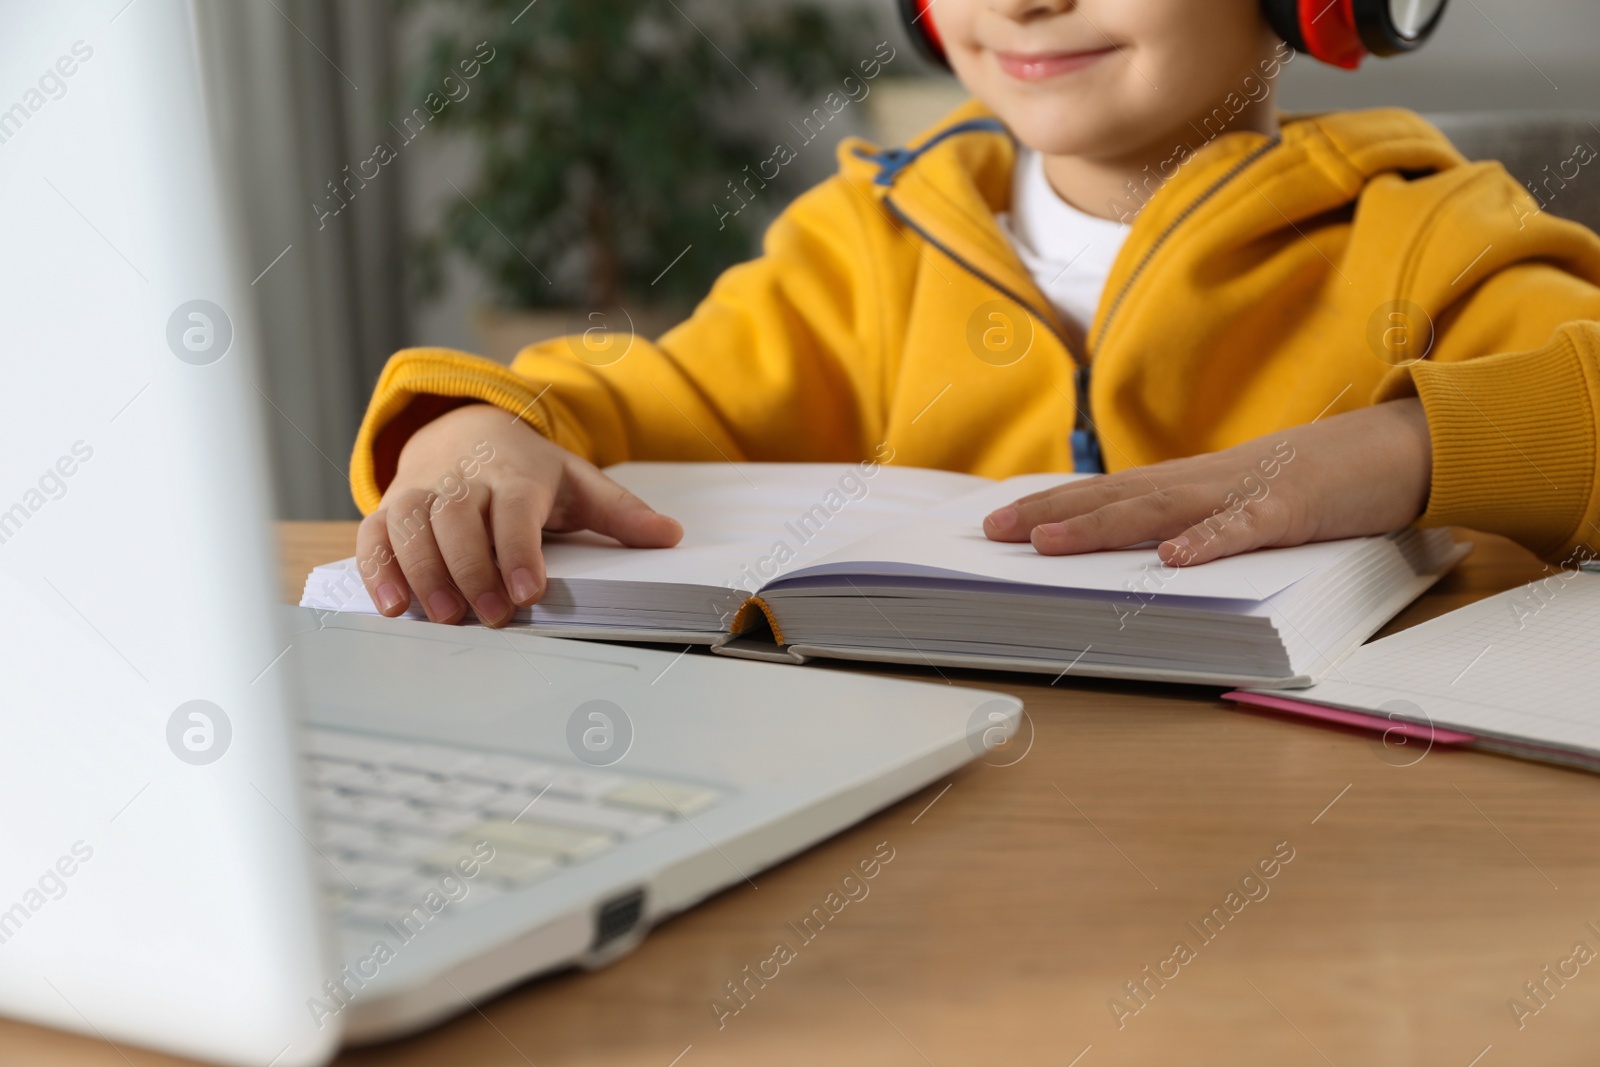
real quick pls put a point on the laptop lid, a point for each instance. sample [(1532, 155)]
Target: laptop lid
[(154, 878)]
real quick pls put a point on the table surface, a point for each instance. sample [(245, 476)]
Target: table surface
[(1022, 898)]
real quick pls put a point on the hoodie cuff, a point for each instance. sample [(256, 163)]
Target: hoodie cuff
[(418, 385), (1513, 441)]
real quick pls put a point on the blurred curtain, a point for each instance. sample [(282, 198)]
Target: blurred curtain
[(299, 89)]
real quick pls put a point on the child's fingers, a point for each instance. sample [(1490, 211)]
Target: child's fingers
[(1147, 517), (1258, 524), (1136, 479), (1015, 521), (464, 544), (517, 513), (380, 570), (1046, 494), (601, 505), (410, 528)]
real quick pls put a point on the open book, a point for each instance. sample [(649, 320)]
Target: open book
[(873, 562)]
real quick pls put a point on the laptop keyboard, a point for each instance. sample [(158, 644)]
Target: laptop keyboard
[(402, 820)]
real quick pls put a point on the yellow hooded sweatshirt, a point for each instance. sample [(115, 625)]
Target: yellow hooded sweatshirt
[(1266, 282)]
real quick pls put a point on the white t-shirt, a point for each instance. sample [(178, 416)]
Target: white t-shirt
[(1069, 253)]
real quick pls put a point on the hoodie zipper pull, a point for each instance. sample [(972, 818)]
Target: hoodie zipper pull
[(1086, 456)]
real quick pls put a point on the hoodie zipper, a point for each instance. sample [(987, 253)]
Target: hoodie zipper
[(1081, 369), (1183, 216), (1086, 444), (1085, 439)]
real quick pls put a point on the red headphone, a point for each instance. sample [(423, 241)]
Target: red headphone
[(1341, 32)]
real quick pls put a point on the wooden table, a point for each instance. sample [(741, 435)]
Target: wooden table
[(1021, 898)]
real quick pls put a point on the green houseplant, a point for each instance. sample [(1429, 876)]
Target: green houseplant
[(609, 131)]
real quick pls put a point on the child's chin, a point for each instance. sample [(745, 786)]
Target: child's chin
[(1062, 130)]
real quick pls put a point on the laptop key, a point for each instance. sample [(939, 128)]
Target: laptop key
[(481, 890), (362, 840), (368, 808), (508, 866), (526, 835), (511, 772), (358, 777), (585, 785), (665, 797), (563, 812), (354, 748), (449, 857), (465, 795), (510, 807), (435, 821), (514, 868), (368, 876), (436, 759), (395, 817), (421, 786), (368, 913)]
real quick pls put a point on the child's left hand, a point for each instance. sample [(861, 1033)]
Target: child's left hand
[(1349, 475)]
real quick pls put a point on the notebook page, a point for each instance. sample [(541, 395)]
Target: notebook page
[(948, 542), (1520, 665)]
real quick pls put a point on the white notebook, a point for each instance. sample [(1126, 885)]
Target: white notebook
[(1515, 671), (872, 562)]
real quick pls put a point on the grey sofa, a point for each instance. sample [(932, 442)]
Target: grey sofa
[(1539, 147)]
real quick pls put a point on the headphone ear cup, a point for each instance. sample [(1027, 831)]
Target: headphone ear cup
[(1375, 22), (1284, 18), (1323, 29), (917, 17)]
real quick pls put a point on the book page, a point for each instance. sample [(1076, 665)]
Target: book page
[(745, 523), (948, 542)]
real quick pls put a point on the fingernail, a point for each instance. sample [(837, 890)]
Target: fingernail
[(442, 605), (1178, 550), (523, 586), (491, 607), (389, 598), (1003, 518), (1050, 538)]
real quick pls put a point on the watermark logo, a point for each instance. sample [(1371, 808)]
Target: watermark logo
[(1410, 738), (350, 181), (599, 733), (1552, 979), (51, 486), (853, 888), (199, 732), (1253, 489), (991, 740), (743, 188), (1540, 197), (602, 336), (804, 528), (1400, 333), (1254, 90), (1253, 887), (999, 332), (51, 885), (199, 332), (341, 989), (51, 85)]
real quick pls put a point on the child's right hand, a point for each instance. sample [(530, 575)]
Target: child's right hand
[(461, 521)]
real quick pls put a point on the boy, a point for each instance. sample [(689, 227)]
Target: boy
[(1255, 302)]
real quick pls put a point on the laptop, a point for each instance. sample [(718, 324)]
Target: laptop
[(246, 833)]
